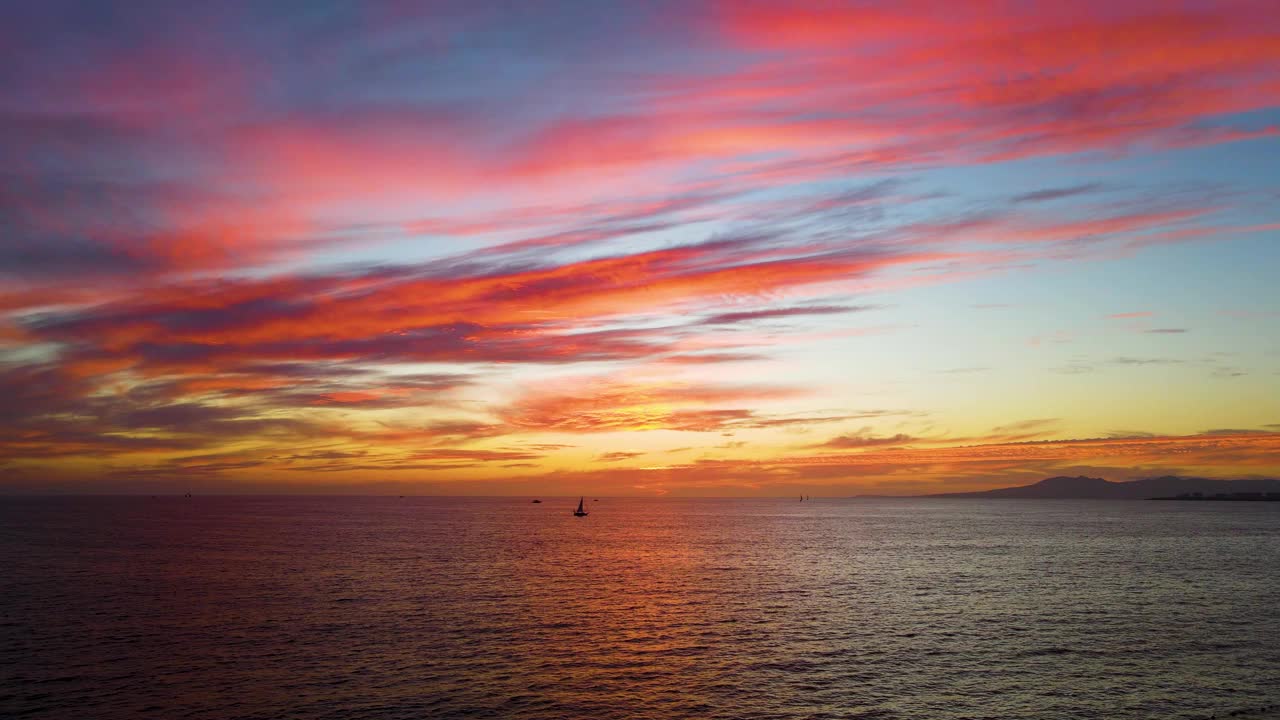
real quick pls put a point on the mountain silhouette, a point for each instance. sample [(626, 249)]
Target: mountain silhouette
[(1090, 487)]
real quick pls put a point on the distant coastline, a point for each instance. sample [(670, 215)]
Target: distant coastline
[(1168, 487), (1229, 497)]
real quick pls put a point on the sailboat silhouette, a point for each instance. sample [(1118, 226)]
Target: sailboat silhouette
[(579, 512)]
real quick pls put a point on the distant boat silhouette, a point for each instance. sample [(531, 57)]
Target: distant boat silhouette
[(537, 501), (579, 512)]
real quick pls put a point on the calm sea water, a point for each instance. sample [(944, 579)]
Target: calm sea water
[(244, 607)]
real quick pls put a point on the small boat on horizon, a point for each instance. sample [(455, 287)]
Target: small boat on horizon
[(580, 512), (537, 501)]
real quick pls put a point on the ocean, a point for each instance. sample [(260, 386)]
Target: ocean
[(431, 607)]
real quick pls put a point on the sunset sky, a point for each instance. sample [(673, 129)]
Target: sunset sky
[(697, 248)]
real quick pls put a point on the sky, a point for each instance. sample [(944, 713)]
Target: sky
[(649, 248)]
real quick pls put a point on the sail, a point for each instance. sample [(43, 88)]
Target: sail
[(579, 504)]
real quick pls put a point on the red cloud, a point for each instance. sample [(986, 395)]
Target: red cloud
[(148, 213), (1007, 80), (605, 405), (503, 316)]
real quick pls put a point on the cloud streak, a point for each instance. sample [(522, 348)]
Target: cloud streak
[(237, 241)]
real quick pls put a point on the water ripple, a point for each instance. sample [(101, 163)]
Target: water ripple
[(395, 608)]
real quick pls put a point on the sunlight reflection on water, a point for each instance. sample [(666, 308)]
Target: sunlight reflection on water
[(663, 608)]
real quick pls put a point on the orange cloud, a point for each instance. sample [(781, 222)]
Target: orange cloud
[(957, 468), (607, 405), (171, 241)]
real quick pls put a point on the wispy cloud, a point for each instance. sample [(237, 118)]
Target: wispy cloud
[(1125, 360), (297, 251), (856, 442), (618, 455), (776, 313), (1060, 193)]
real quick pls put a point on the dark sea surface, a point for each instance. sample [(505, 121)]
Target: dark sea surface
[(242, 607)]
